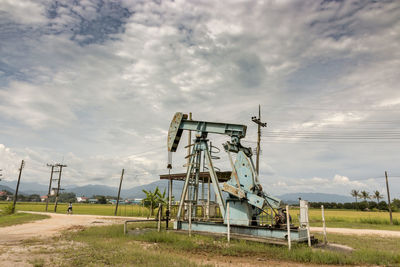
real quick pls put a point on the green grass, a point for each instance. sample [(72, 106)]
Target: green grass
[(342, 218), (83, 208), (108, 246), (20, 218)]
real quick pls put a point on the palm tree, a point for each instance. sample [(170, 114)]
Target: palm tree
[(377, 195), (365, 195), (355, 194)]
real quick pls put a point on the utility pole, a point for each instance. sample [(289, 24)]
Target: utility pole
[(51, 179), (60, 166), (189, 142), (16, 189), (388, 193), (187, 196), (169, 167), (259, 124), (119, 192)]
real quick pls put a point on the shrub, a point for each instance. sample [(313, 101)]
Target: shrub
[(382, 205), (372, 205), (7, 210), (363, 205), (348, 205)]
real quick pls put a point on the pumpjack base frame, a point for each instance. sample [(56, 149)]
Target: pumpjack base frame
[(258, 232)]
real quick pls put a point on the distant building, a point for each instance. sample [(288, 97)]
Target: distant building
[(3, 193), (121, 202), (137, 200), (92, 200), (43, 198), (82, 199)]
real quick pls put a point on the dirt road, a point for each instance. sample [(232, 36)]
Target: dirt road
[(53, 226), (349, 231), (19, 244)]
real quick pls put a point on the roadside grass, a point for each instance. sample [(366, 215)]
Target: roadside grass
[(107, 245), (20, 218), (342, 218)]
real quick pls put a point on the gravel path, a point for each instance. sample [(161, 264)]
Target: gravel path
[(53, 226), (349, 231)]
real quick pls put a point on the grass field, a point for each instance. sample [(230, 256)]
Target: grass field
[(334, 218), (19, 218), (353, 219), (108, 246), (83, 208)]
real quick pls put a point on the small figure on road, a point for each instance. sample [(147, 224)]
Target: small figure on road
[(69, 211)]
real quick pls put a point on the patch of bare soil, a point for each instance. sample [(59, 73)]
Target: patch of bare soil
[(32, 244), (53, 226), (32, 252)]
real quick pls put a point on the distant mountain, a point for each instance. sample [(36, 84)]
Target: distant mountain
[(136, 192), (4, 187), (28, 188), (315, 197), (92, 189)]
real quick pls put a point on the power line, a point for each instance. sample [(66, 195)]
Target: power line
[(332, 109)]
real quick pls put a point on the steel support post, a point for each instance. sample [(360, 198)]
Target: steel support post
[(228, 223), (185, 186), (190, 218), (214, 179)]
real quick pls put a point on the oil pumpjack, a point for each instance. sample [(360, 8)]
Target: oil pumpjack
[(246, 198)]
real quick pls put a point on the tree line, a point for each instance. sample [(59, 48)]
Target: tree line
[(363, 205), (378, 204), (64, 197)]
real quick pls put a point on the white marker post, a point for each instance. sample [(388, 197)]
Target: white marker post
[(159, 217), (288, 228), (308, 228), (228, 222), (323, 224)]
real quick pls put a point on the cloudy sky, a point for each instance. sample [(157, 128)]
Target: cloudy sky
[(95, 84)]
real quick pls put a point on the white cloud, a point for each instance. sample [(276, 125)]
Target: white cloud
[(24, 12), (343, 180), (9, 162), (99, 93)]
